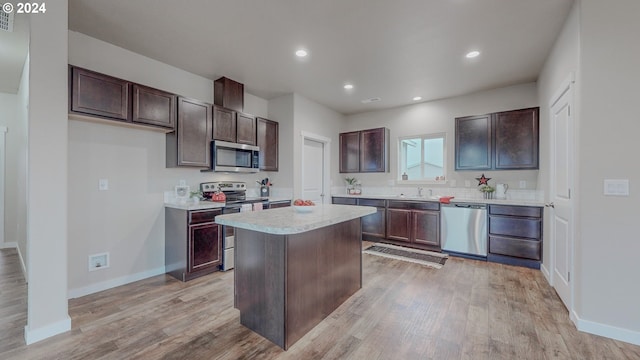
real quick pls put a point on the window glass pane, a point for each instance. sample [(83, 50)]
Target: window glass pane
[(422, 157), (433, 158)]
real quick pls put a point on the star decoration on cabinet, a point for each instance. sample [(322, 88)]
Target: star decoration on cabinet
[(482, 180)]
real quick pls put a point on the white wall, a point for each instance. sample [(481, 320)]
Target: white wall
[(316, 119), (15, 118), (281, 108), (563, 60), (607, 291), (127, 220), (437, 117), (47, 176)]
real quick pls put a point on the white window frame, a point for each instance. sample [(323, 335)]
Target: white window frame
[(422, 137)]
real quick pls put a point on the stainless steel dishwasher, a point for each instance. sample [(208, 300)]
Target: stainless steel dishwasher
[(464, 229)]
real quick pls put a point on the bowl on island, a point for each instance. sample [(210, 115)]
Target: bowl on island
[(303, 208)]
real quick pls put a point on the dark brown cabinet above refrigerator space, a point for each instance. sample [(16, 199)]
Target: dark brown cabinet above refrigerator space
[(506, 140), (95, 96), (364, 151)]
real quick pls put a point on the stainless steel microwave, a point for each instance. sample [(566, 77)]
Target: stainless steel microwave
[(232, 157)]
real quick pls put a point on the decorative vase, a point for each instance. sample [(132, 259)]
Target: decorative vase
[(488, 195)]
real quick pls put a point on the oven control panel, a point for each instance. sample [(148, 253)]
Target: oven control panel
[(223, 185)]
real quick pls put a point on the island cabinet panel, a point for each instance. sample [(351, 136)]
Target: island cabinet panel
[(287, 284), (154, 107), (189, 145), (473, 143), (267, 140), (100, 95)]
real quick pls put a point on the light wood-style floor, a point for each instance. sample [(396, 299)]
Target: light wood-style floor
[(466, 310)]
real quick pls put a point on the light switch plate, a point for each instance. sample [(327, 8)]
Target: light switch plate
[(616, 187), (523, 184)]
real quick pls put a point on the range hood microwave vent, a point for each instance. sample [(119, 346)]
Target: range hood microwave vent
[(6, 21)]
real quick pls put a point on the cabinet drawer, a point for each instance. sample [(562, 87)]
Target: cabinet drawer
[(371, 202), (527, 211), (415, 205), (344, 201), (197, 217), (520, 227), (522, 248)]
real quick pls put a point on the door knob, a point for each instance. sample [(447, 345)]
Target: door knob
[(551, 205)]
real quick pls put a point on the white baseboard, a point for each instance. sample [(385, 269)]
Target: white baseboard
[(545, 272), (613, 332), (34, 335), (108, 284), (14, 245)]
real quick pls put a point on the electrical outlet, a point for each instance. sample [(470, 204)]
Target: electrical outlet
[(103, 184), (467, 183), (98, 261), (182, 183), (523, 184)]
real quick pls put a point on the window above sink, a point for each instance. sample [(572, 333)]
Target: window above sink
[(422, 158)]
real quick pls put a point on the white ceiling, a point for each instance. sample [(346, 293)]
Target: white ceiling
[(392, 49), (13, 52)]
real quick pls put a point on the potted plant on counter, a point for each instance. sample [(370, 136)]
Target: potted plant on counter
[(487, 191), (351, 185)]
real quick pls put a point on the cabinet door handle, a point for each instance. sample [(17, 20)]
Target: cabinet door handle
[(551, 205)]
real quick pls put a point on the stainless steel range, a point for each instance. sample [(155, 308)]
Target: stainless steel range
[(236, 201)]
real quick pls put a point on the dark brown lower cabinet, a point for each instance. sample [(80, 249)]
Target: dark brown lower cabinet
[(415, 224), (374, 225), (193, 245), (515, 235)]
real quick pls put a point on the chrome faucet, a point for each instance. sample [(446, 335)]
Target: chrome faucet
[(430, 192), (420, 191)]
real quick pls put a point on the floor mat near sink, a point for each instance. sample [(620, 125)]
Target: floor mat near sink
[(427, 258)]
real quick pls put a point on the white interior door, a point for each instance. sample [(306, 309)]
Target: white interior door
[(313, 170), (562, 160)]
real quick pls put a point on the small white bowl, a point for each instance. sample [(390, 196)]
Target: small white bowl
[(303, 209)]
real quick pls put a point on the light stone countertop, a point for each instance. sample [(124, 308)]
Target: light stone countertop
[(206, 205), (517, 202), (286, 220)]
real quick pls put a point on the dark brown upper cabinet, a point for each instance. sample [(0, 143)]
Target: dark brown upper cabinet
[(229, 94), (189, 145), (267, 141), (99, 95), (350, 152), (506, 140), (364, 151), (516, 139), (153, 107), (473, 143), (245, 129), (224, 124)]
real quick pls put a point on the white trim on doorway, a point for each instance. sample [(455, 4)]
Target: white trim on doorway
[(3, 152), (326, 185)]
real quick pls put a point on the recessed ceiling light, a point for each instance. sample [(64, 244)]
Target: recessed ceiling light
[(472, 54), (348, 86), (301, 53), (417, 98)]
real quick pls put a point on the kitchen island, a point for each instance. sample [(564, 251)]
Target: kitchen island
[(293, 269)]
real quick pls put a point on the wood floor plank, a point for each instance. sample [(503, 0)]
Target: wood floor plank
[(466, 310)]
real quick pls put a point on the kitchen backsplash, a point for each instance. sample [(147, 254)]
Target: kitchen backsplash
[(458, 192)]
